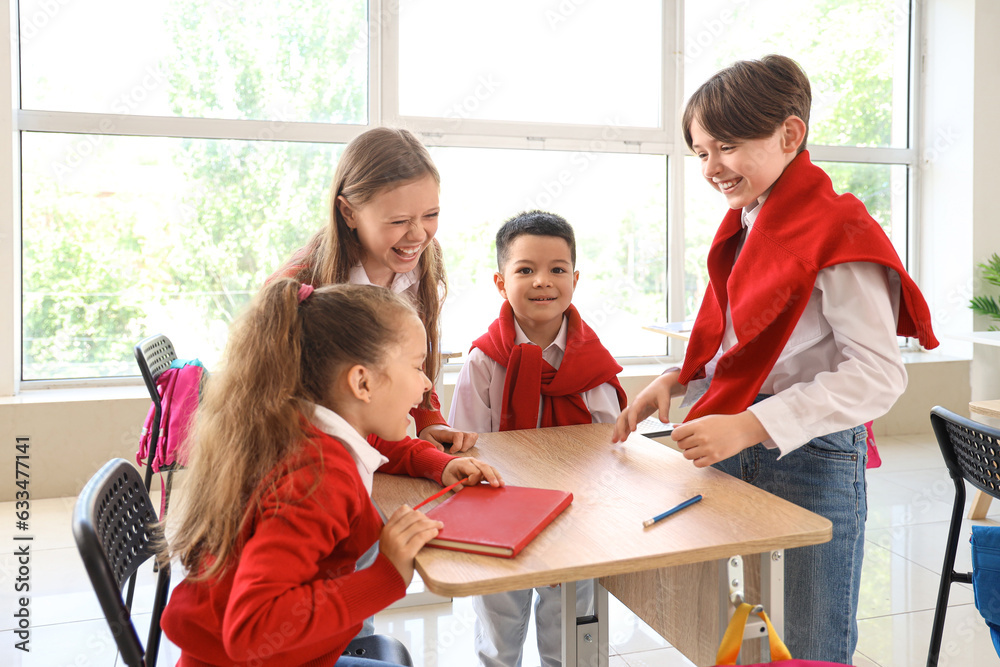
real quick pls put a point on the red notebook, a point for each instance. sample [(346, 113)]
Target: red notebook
[(496, 521)]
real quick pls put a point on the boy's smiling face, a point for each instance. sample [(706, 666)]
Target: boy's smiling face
[(742, 171), (538, 280)]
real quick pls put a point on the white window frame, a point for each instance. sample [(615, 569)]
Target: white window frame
[(383, 100)]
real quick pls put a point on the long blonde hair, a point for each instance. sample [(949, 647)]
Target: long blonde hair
[(280, 353), (378, 160)]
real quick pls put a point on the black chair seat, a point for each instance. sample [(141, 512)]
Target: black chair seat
[(379, 647)]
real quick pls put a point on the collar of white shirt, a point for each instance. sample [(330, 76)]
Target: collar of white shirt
[(367, 458), (560, 340), (400, 283), (750, 213)]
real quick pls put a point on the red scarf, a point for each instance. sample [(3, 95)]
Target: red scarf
[(585, 365), (803, 227)]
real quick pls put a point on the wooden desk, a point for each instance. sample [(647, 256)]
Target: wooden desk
[(615, 487), (985, 408), (679, 330), (980, 337)]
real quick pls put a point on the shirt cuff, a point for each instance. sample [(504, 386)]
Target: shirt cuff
[(784, 430)]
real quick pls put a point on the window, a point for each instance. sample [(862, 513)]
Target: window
[(857, 55), (174, 153), (126, 233)]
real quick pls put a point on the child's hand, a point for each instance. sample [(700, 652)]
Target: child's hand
[(404, 534), (439, 434), (715, 438), (474, 469), (654, 398)]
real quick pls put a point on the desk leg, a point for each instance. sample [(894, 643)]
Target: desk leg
[(980, 505), (585, 639), (772, 588), (771, 597)]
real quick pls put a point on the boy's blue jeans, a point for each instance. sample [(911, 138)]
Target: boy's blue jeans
[(822, 582)]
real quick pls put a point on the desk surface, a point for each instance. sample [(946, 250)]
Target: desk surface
[(987, 408), (681, 330), (615, 487), (981, 337)]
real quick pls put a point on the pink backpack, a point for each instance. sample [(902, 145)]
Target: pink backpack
[(179, 388), (874, 460)]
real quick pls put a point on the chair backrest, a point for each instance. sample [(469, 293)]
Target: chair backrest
[(112, 524), (153, 355), (971, 450)]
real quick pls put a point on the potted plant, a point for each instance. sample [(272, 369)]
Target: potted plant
[(987, 305)]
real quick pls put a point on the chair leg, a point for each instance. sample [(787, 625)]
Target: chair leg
[(948, 575), (159, 602), (165, 499), (130, 592)]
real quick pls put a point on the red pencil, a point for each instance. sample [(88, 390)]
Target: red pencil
[(440, 493)]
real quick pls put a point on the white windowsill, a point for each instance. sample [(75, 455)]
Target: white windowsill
[(450, 374)]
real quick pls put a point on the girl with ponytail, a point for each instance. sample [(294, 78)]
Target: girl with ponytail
[(277, 507)]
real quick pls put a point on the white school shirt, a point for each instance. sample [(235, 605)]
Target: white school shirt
[(478, 400), (401, 282), (367, 458), (841, 367)]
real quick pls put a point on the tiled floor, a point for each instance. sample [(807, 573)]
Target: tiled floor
[(909, 505)]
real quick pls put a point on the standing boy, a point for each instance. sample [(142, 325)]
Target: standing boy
[(794, 347), (538, 365)]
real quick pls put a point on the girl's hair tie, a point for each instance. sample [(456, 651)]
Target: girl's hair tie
[(304, 291)]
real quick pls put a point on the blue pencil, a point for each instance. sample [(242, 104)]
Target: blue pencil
[(673, 510)]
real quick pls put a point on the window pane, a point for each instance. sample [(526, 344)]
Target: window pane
[(137, 236), (855, 52), (592, 63), (881, 187), (617, 206), (301, 60)]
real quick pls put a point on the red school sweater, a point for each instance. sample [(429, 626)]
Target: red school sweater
[(803, 226), (294, 597)]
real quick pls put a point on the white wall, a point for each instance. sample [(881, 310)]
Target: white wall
[(985, 212), (959, 172), (945, 168)]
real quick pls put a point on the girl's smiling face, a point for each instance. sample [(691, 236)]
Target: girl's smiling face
[(400, 384), (744, 170), (394, 227)]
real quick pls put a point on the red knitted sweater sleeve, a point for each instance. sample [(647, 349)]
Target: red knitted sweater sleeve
[(295, 578), (424, 417), (411, 456)]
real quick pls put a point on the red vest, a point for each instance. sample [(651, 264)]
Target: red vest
[(803, 227), (586, 364)]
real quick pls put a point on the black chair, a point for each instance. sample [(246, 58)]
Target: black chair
[(972, 453), (112, 525), (154, 355), (380, 647)]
